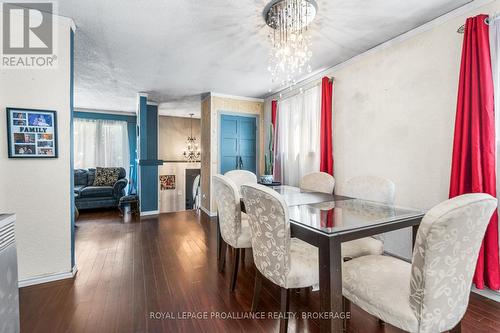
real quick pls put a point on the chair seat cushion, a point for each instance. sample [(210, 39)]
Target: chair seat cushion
[(362, 247), (96, 191), (244, 240), (380, 285), (304, 265)]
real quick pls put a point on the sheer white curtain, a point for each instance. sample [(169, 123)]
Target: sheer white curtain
[(297, 135), (102, 143)]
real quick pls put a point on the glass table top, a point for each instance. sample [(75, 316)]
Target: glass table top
[(347, 214), (295, 196)]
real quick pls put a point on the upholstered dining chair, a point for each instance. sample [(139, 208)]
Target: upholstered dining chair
[(370, 188), (240, 177), (318, 182), (234, 227), (430, 294), (288, 262)]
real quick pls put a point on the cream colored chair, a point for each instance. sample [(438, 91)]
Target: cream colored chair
[(370, 188), (234, 227), (318, 182), (432, 293), (285, 261), (240, 177)]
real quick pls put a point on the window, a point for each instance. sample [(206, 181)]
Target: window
[(298, 135), (101, 143)]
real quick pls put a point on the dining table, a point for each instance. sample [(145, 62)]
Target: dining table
[(326, 221)]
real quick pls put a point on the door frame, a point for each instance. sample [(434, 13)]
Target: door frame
[(221, 113)]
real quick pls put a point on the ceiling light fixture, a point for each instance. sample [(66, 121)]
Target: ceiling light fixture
[(192, 151), (291, 45)]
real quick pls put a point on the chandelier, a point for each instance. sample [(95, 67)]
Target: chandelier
[(291, 45), (192, 151)]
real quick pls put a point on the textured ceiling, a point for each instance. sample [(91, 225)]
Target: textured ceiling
[(178, 49)]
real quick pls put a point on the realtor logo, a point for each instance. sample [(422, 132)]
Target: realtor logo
[(27, 35)]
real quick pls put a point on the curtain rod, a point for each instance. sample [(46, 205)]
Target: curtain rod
[(284, 94), (487, 21)]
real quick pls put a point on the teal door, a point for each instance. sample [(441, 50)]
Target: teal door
[(238, 143)]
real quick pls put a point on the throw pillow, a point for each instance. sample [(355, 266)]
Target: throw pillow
[(106, 176)]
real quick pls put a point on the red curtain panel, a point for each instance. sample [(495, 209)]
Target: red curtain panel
[(473, 163), (326, 140)]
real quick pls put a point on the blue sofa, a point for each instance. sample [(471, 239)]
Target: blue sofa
[(88, 196)]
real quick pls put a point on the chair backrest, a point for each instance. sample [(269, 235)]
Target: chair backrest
[(196, 189), (370, 188), (268, 218), (228, 207), (240, 177), (318, 182), (444, 259)]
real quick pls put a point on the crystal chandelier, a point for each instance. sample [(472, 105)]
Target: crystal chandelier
[(291, 45), (192, 151)]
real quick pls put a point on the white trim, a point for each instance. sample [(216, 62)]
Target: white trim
[(206, 211), (142, 94), (151, 212), (491, 294), (327, 71), (152, 103), (47, 278), (241, 98), (118, 113)]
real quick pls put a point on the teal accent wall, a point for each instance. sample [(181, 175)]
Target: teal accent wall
[(148, 161), (72, 139)]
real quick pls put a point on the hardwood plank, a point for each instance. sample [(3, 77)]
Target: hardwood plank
[(168, 264)]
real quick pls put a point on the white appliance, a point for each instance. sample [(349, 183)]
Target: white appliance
[(9, 294)]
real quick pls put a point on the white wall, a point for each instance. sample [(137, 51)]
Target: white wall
[(394, 114), (38, 190)]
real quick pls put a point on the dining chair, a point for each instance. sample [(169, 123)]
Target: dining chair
[(370, 188), (240, 177), (430, 294), (288, 262), (234, 227), (318, 182)]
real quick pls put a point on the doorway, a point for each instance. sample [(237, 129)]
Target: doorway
[(238, 143)]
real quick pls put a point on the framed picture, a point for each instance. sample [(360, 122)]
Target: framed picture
[(167, 182), (31, 133)]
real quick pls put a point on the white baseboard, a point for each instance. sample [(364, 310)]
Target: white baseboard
[(209, 213), (47, 278), (488, 293), (151, 212)]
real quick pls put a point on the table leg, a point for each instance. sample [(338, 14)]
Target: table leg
[(218, 238), (414, 231), (330, 284)]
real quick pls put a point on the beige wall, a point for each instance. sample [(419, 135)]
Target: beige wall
[(212, 107), (206, 158), (394, 114), (173, 134), (38, 190)]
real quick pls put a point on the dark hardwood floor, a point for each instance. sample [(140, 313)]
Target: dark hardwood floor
[(166, 265)]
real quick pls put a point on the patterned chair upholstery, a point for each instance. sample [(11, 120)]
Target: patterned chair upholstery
[(240, 177), (234, 227), (318, 182), (288, 262), (432, 293), (370, 188)]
